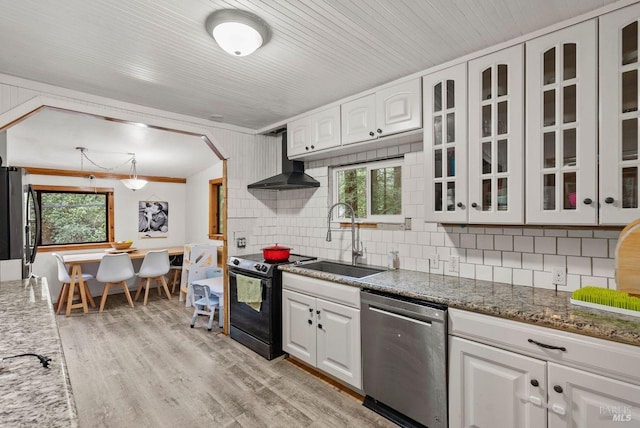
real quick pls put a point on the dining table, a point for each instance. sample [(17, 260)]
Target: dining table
[(75, 262)]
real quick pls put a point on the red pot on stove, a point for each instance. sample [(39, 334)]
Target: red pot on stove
[(276, 253)]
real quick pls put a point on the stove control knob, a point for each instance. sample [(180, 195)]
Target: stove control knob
[(257, 267), (264, 268), (236, 262)]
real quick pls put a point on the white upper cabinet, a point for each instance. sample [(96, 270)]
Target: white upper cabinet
[(315, 132), (388, 111), (445, 145), (619, 160), (561, 127), (399, 108), (359, 119), (496, 146)]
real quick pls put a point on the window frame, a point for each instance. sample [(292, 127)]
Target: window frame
[(216, 187), (81, 189), (369, 166)]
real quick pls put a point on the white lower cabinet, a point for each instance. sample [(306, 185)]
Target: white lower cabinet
[(323, 334), (579, 399), (491, 387), (565, 381)]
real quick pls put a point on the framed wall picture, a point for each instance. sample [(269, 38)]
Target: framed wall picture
[(153, 219)]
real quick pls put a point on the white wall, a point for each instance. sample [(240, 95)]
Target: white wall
[(197, 193)]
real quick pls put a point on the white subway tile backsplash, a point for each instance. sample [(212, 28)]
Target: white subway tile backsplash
[(484, 273), (545, 245), (595, 281), (524, 244), (474, 256), (437, 239), (551, 262), (492, 258), (521, 255), (532, 261), (512, 260), (613, 234), (569, 246), (603, 267), (468, 240), (503, 242), (595, 247), (542, 279), (580, 233), (579, 265), (502, 274), (467, 270), (533, 232), (523, 277), (484, 242)]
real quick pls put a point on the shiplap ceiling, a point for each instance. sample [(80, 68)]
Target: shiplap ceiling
[(157, 53)]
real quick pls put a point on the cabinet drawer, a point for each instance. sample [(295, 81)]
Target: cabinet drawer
[(334, 292), (618, 360)]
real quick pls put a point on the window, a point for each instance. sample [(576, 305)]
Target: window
[(216, 209), (374, 190), (77, 216)]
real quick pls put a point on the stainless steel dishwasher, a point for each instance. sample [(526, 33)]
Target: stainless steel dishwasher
[(404, 359)]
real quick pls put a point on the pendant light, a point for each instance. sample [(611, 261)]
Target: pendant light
[(237, 32), (133, 182)]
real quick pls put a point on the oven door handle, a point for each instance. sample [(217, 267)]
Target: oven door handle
[(265, 282)]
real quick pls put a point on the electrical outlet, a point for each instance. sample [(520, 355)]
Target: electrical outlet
[(559, 276), (241, 242), (454, 264), (434, 260)]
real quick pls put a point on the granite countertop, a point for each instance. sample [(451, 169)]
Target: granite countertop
[(527, 304), (31, 395)]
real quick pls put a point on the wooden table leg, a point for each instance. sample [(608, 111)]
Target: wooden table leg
[(76, 277)]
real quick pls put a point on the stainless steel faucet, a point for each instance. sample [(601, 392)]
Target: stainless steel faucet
[(356, 246)]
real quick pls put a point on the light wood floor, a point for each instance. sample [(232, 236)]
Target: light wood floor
[(145, 367)]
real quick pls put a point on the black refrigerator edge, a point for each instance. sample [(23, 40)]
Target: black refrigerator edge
[(19, 218)]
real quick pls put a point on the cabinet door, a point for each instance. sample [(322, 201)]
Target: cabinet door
[(619, 116), (298, 137), (578, 399), (496, 149), (445, 144), (399, 108), (491, 387), (359, 120), (561, 127), (299, 326), (325, 129), (338, 342)]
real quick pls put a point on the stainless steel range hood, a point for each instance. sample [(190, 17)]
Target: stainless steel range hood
[(291, 177)]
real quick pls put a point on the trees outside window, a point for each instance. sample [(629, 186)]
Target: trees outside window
[(374, 190), (75, 216)]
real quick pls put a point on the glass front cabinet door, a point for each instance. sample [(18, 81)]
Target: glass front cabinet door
[(561, 127), (619, 116), (445, 145), (496, 147)]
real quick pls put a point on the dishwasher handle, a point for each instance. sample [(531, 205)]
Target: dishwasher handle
[(402, 317)]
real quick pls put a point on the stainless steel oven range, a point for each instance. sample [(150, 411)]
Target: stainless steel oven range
[(259, 330)]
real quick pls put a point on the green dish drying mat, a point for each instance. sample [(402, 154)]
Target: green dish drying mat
[(607, 300)]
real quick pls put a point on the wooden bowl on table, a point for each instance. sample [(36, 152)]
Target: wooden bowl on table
[(121, 245)]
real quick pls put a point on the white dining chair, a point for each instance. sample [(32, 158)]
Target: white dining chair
[(154, 266), (115, 269), (65, 281)]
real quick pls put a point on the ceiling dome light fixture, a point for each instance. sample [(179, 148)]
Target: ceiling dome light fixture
[(133, 182), (238, 32)]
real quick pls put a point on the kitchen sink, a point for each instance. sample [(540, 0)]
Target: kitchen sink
[(341, 269)]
